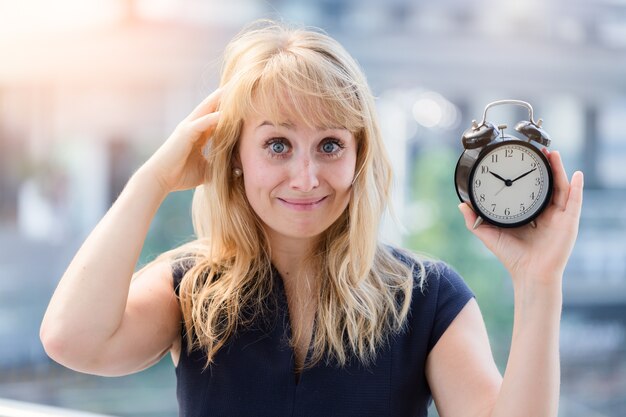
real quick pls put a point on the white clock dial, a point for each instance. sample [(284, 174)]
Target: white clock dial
[(510, 183)]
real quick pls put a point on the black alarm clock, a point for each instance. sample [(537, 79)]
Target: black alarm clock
[(507, 180)]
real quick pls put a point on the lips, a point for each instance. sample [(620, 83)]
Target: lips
[(302, 204)]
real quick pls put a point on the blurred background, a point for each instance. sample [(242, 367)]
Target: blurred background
[(89, 89)]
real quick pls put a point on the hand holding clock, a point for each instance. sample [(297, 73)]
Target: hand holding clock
[(539, 254), (534, 256)]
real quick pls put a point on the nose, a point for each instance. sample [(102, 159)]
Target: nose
[(304, 175)]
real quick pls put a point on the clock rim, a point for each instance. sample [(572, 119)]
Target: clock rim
[(489, 148)]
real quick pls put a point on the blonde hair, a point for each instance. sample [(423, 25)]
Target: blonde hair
[(364, 291)]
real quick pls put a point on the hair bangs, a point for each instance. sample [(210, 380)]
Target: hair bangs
[(296, 88)]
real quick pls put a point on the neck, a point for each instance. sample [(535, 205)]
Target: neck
[(289, 254)]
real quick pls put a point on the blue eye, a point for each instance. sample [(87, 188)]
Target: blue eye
[(278, 147), (329, 147), (332, 147)]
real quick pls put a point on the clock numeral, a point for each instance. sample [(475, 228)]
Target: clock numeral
[(522, 208), (522, 153), (533, 165), (508, 153), (532, 195), (484, 169), (507, 211), (482, 198), (537, 181), (493, 208), (477, 183), (494, 158)]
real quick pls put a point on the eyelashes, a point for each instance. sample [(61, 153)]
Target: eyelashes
[(280, 147)]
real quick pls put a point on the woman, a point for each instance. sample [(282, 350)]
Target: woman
[(287, 304)]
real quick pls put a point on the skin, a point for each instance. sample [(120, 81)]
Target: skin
[(99, 322), (301, 179)]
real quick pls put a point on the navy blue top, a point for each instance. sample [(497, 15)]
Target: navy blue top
[(253, 373)]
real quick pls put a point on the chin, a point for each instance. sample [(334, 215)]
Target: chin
[(300, 227), (304, 233), (299, 231)]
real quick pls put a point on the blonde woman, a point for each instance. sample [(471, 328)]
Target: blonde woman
[(287, 304)]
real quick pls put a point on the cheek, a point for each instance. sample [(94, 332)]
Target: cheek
[(259, 178), (343, 175)]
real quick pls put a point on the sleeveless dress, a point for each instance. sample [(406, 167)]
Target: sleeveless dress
[(253, 373)]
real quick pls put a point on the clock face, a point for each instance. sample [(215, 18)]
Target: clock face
[(511, 183)]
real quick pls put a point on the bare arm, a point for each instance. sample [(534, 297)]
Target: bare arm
[(97, 321), (89, 304), (536, 260), (460, 369), (465, 381)]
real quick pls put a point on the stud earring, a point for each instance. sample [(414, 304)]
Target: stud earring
[(237, 172)]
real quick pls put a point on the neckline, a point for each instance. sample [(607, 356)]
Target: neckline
[(284, 304)]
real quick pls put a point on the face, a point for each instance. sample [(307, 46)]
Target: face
[(297, 179)]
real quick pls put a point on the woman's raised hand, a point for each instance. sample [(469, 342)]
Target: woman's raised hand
[(179, 163), (540, 253)]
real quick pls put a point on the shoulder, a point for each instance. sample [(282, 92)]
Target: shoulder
[(179, 265), (183, 258), (439, 294), (428, 273)]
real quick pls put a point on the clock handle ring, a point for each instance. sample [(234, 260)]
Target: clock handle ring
[(515, 102)]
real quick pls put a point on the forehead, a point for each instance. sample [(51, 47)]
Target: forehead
[(287, 108), (258, 121)]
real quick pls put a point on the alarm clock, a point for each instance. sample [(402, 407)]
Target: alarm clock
[(507, 180)]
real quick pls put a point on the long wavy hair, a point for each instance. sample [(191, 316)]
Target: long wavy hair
[(364, 291)]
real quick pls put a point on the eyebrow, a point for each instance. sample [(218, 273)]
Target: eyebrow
[(291, 126), (268, 123)]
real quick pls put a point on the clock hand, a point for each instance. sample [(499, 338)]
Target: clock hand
[(508, 183), (497, 176), (523, 175)]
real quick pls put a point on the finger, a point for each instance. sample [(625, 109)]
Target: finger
[(208, 105), (575, 198), (203, 129), (559, 177), (206, 122), (468, 215)]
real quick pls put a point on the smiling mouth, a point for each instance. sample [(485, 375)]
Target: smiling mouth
[(302, 204)]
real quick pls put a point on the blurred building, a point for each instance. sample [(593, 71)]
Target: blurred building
[(84, 100)]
